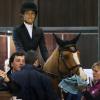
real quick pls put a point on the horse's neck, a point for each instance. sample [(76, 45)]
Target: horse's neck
[(52, 62), (53, 58)]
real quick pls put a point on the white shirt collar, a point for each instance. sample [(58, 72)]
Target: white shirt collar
[(29, 28)]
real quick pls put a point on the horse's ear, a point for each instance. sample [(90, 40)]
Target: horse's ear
[(74, 41), (58, 40), (63, 43)]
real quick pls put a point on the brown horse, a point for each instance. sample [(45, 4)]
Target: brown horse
[(64, 61)]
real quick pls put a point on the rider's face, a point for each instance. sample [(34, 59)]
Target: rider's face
[(29, 16)]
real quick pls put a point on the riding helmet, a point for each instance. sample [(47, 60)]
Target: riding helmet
[(28, 6)]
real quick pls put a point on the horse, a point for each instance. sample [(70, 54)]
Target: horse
[(64, 61)]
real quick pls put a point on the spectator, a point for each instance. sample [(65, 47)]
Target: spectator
[(34, 85), (17, 60), (93, 92)]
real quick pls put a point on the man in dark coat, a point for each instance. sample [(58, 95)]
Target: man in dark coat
[(27, 36), (34, 85)]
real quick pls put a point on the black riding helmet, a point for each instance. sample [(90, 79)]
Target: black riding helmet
[(28, 6)]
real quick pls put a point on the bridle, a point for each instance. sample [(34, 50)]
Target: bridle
[(62, 58)]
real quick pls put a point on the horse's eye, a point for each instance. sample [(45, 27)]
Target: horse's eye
[(65, 54)]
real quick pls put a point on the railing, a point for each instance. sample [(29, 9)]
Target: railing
[(74, 30), (59, 29)]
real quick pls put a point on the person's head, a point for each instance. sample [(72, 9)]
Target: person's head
[(29, 12), (30, 57), (96, 71), (16, 61)]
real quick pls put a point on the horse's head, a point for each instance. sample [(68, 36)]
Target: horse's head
[(65, 59)]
